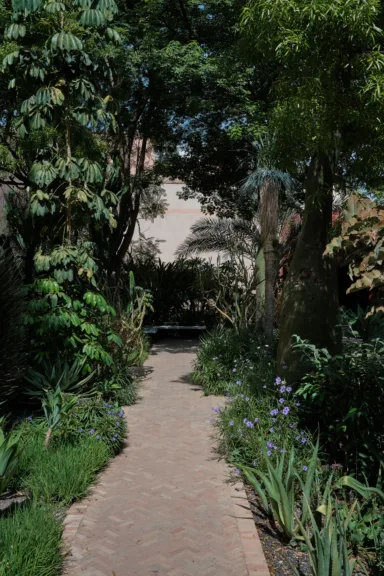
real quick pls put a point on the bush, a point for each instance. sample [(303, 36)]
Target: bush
[(30, 542), (256, 428), (64, 472), (226, 352), (94, 417), (342, 395)]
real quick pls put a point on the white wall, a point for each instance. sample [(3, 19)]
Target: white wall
[(174, 227)]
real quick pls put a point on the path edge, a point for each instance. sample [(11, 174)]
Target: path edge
[(253, 551)]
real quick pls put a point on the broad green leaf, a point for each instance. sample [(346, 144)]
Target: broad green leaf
[(66, 41), (92, 18)]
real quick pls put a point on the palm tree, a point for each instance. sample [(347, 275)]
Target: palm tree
[(240, 241), (225, 235), (266, 183)]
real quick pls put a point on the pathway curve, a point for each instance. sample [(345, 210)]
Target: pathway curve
[(163, 508)]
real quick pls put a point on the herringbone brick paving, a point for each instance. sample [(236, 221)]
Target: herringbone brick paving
[(163, 508)]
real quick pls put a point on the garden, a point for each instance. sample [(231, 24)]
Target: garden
[(271, 114)]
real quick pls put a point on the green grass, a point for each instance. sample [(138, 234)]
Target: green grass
[(62, 473), (30, 542)]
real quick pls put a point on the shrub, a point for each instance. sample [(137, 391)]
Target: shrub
[(64, 472), (94, 417), (254, 428), (225, 353), (343, 394), (30, 542)]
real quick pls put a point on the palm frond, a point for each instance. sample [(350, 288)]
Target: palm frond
[(220, 235), (253, 183)]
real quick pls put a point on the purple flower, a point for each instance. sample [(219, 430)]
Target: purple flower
[(264, 386), (231, 422), (239, 382), (297, 403), (237, 471), (281, 400), (269, 453), (92, 431), (256, 419), (305, 468), (282, 389), (98, 436), (278, 381), (269, 445), (247, 399), (273, 420), (291, 426), (211, 420), (271, 430), (285, 410), (117, 423), (121, 414), (249, 424), (274, 412), (234, 370), (303, 440), (288, 389), (29, 418), (254, 463), (114, 439)]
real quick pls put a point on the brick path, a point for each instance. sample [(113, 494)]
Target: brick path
[(163, 508)]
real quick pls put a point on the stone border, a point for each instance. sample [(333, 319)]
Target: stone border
[(253, 551)]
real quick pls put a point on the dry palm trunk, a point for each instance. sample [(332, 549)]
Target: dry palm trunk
[(268, 217)]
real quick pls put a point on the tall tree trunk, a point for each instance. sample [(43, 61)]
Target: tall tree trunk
[(310, 302), (260, 288), (268, 214), (270, 277)]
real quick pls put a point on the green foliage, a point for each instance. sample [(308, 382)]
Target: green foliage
[(223, 349), (366, 324), (30, 542), (279, 488), (342, 394), (179, 289), (361, 240), (12, 306), (93, 417), (62, 474), (130, 323), (121, 388), (58, 375), (9, 455), (327, 546), (56, 407)]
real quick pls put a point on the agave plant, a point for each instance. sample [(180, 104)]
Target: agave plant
[(278, 488), (66, 377), (9, 455)]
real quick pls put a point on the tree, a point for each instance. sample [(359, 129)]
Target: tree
[(52, 130), (268, 183), (325, 101)]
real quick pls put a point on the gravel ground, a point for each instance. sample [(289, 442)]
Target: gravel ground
[(279, 555)]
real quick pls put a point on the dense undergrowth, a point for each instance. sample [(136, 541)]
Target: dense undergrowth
[(283, 437)]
